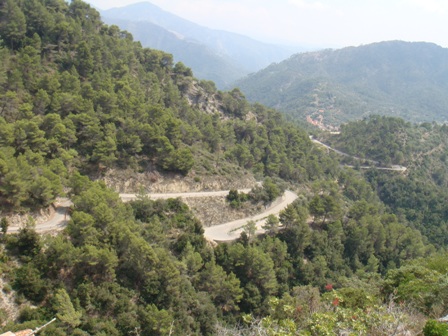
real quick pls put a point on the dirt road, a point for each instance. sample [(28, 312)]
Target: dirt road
[(56, 222), (61, 216), (391, 168), (232, 230)]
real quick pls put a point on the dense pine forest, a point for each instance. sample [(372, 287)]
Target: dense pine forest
[(78, 98), (419, 196)]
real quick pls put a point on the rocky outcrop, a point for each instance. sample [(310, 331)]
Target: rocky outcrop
[(8, 301), (198, 97), (128, 181)]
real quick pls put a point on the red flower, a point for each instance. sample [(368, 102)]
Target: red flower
[(335, 302), (329, 287)]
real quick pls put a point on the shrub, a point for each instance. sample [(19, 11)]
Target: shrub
[(434, 328)]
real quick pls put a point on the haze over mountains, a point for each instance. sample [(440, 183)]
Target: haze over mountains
[(85, 110), (328, 87), (212, 54)]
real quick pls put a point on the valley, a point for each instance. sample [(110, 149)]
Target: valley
[(132, 163), (214, 55), (329, 87)]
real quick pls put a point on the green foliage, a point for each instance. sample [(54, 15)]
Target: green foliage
[(418, 195), (4, 225), (434, 328), (393, 78), (66, 313), (29, 282), (236, 199), (250, 228), (224, 289), (78, 97), (271, 225), (304, 314), (13, 27), (28, 242), (266, 193), (379, 138), (421, 283)]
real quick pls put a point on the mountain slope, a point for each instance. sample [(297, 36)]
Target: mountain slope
[(245, 54), (394, 78), (204, 61), (78, 98), (421, 194)]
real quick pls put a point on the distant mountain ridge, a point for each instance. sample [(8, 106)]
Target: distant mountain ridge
[(328, 87), (217, 55), (205, 62)]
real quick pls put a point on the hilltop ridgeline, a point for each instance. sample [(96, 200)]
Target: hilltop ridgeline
[(329, 87)]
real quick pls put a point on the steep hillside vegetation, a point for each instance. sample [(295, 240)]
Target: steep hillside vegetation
[(78, 98), (205, 62), (79, 95), (408, 80), (420, 195), (215, 55)]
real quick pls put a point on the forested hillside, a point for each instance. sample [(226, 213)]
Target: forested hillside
[(206, 62), (79, 98), (215, 55), (330, 87), (79, 95), (420, 195)]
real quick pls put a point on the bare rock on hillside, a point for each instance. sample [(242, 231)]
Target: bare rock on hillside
[(128, 181)]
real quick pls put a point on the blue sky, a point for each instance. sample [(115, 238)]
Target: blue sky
[(319, 23)]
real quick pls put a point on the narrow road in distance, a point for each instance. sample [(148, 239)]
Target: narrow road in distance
[(391, 168)]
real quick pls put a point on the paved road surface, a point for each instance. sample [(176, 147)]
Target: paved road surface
[(232, 230), (60, 218), (391, 168), (56, 222)]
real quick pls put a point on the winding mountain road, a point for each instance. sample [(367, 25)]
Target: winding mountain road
[(223, 232), (219, 233), (232, 230), (391, 168)]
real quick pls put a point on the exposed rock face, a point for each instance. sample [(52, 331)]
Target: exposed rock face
[(199, 98), (209, 210), (8, 301), (37, 217), (215, 210), (128, 181)]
